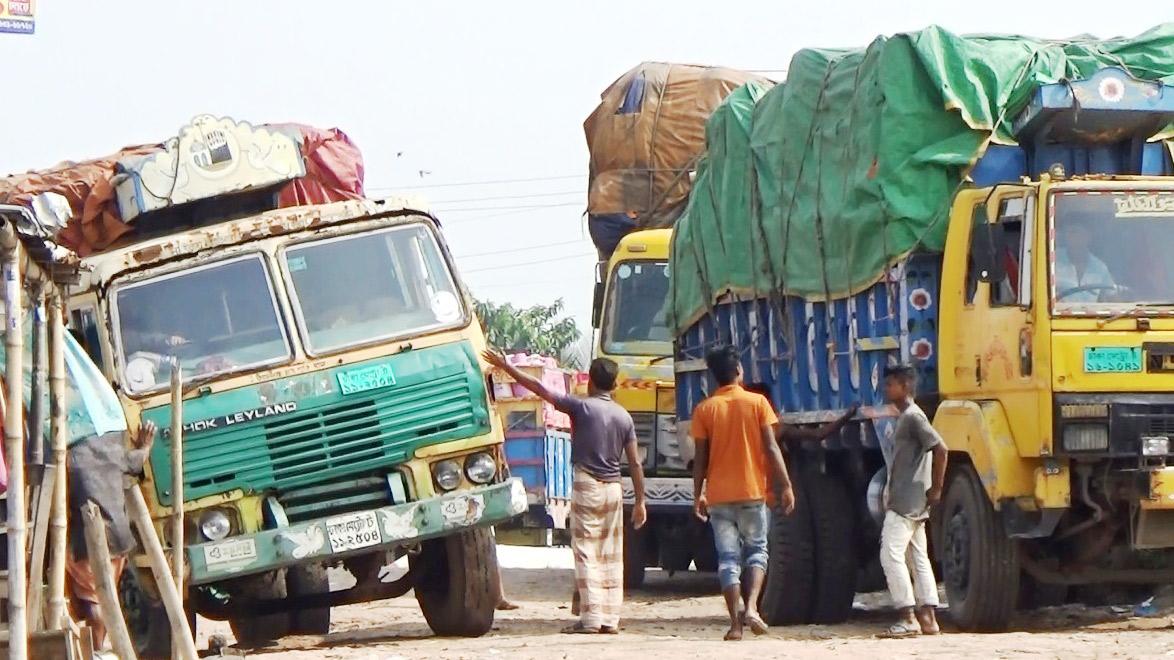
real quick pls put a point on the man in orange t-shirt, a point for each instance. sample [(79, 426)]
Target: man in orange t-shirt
[(735, 439)]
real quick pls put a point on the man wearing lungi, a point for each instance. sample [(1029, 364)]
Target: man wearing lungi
[(602, 431)]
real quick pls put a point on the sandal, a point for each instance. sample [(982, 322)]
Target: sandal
[(756, 624), (580, 629), (608, 630), (733, 635), (902, 629)]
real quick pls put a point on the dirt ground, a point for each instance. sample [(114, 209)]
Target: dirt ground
[(682, 617)]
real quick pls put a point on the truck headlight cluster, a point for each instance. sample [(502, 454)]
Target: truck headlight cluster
[(1086, 437), (480, 468), (215, 524), (447, 474), (1155, 445)]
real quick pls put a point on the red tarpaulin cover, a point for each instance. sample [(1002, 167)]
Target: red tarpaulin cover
[(334, 172)]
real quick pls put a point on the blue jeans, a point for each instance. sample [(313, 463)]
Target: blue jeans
[(739, 532)]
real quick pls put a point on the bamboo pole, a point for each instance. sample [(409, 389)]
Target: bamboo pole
[(59, 519), (100, 564), (177, 499), (14, 454), (38, 503), (181, 633)]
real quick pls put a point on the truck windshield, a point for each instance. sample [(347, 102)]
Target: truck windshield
[(363, 288), (1110, 250), (635, 321), (216, 318)]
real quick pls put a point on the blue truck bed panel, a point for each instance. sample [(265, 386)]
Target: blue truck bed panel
[(542, 459), (818, 358)]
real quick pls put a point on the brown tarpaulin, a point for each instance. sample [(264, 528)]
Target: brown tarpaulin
[(647, 133), (334, 172)]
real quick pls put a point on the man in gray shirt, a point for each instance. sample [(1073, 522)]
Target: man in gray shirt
[(917, 468), (601, 433)]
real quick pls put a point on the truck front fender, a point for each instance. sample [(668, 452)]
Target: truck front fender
[(980, 430)]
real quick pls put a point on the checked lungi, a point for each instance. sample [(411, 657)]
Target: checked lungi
[(597, 540)]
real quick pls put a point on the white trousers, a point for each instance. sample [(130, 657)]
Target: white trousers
[(903, 551)]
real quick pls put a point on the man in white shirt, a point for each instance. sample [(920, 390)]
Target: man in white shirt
[(1080, 275)]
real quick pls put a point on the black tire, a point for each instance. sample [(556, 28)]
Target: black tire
[(146, 618), (790, 580), (455, 583), (257, 631), (306, 581), (833, 520), (635, 557), (980, 563)]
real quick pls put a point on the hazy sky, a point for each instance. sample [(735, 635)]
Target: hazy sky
[(465, 91)]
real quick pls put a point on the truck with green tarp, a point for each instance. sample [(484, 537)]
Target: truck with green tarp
[(935, 200)]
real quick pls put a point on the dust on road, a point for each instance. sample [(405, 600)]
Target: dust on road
[(683, 617)]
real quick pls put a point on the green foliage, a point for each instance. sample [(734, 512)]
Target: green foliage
[(539, 329)]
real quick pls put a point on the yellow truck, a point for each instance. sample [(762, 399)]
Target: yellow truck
[(630, 316), (1041, 327)]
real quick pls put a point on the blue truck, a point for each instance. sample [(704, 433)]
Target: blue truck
[(1053, 398)]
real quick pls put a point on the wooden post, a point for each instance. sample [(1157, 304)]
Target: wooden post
[(177, 531), (99, 552), (59, 433), (181, 633), (14, 451)]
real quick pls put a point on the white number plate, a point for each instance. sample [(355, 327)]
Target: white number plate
[(230, 552), (358, 530)]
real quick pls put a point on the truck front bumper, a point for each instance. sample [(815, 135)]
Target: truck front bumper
[(662, 493), (355, 533)]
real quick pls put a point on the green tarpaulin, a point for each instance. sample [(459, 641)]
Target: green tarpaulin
[(852, 163)]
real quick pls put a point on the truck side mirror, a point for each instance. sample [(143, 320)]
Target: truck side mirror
[(597, 306), (985, 248)]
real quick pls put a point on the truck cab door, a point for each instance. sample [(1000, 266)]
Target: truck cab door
[(996, 335)]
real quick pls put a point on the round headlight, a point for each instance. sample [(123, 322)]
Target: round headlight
[(447, 474), (215, 525), (480, 468)]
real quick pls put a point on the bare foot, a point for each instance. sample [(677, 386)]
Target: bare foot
[(505, 605), (734, 634), (928, 621)]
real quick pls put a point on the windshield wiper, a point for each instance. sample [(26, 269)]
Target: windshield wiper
[(1132, 311)]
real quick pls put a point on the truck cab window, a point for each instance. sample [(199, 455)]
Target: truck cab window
[(973, 269), (83, 323), (1013, 251)]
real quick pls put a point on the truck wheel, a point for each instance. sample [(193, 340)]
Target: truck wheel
[(454, 582), (256, 631), (833, 520), (979, 561), (790, 581), (146, 618), (635, 560), (306, 581)]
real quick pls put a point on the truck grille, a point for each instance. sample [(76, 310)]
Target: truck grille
[(338, 497), (360, 433), (645, 424)]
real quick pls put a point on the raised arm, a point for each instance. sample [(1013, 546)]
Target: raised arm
[(800, 433), (527, 381)]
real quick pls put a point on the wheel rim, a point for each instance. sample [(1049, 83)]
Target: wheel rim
[(957, 555)]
